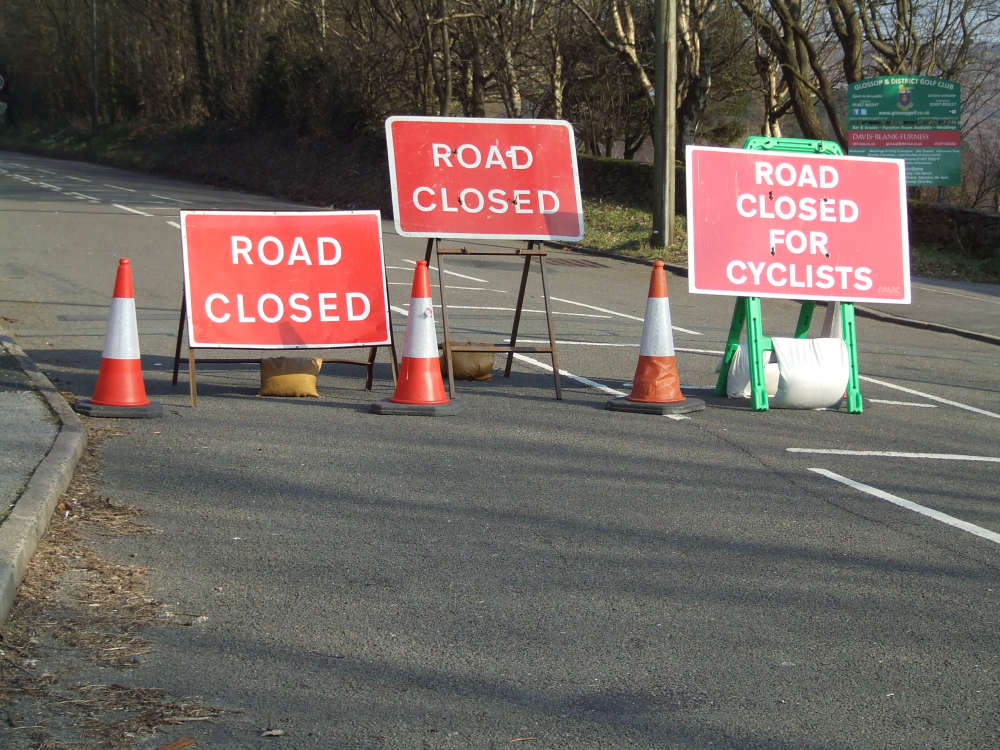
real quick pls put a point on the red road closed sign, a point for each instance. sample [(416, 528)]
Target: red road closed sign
[(258, 280), (796, 226), (484, 178)]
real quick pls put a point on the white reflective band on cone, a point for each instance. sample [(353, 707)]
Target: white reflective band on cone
[(657, 335), (121, 340), (420, 339)]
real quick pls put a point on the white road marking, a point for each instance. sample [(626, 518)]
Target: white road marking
[(588, 382), (577, 343), (620, 314), (902, 403), (548, 368), (897, 454), (449, 286), (450, 273), (958, 523), (50, 186), (130, 210), (84, 197), (118, 187), (77, 179), (713, 352), (932, 398), (168, 198), (174, 224), (524, 310)]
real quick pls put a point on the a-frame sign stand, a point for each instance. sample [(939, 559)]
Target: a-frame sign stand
[(747, 310), (528, 252), (191, 360)]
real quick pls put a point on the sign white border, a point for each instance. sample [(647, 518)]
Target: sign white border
[(904, 228), (187, 277), (501, 120)]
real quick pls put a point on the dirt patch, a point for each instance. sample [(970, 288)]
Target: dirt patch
[(76, 616)]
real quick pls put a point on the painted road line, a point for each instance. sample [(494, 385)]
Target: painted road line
[(168, 198), (712, 352), (174, 224), (897, 454), (587, 382), (118, 187), (77, 179), (901, 403), (51, 186), (560, 342), (930, 397), (449, 286), (578, 378), (450, 273), (524, 310), (85, 197), (130, 210), (958, 523), (548, 368), (620, 314)]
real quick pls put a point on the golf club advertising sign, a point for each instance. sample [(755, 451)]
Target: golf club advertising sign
[(797, 226), (261, 280), (484, 178)]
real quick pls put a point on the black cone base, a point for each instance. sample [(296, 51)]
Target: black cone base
[(646, 407), (90, 409), (416, 410)]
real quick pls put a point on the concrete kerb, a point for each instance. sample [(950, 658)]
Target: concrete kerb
[(29, 518)]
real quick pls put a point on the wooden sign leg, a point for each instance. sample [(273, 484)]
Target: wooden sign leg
[(180, 336), (192, 379), (552, 335), (517, 315), (446, 331)]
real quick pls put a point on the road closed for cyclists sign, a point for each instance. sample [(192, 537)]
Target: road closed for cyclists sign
[(796, 226), (484, 178), (256, 280)]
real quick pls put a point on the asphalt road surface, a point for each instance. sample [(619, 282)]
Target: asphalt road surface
[(533, 572)]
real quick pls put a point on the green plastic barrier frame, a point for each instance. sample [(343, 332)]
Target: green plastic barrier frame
[(747, 310)]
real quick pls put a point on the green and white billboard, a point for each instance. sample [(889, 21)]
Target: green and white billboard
[(914, 118)]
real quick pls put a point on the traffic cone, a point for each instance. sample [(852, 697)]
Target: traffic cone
[(656, 386), (419, 387), (120, 391)]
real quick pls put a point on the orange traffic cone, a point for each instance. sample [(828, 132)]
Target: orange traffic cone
[(419, 387), (120, 391), (656, 386)]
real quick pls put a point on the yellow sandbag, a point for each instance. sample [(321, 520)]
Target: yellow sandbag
[(469, 365), (289, 376)]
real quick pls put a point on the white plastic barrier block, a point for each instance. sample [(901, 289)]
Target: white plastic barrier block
[(738, 380), (813, 373)]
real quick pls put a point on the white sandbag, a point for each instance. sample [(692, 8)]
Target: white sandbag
[(813, 372), (738, 380)]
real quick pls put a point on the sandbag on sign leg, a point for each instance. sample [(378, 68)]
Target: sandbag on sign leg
[(738, 381), (813, 373)]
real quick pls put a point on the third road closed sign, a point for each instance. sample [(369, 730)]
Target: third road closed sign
[(773, 224), (484, 178)]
